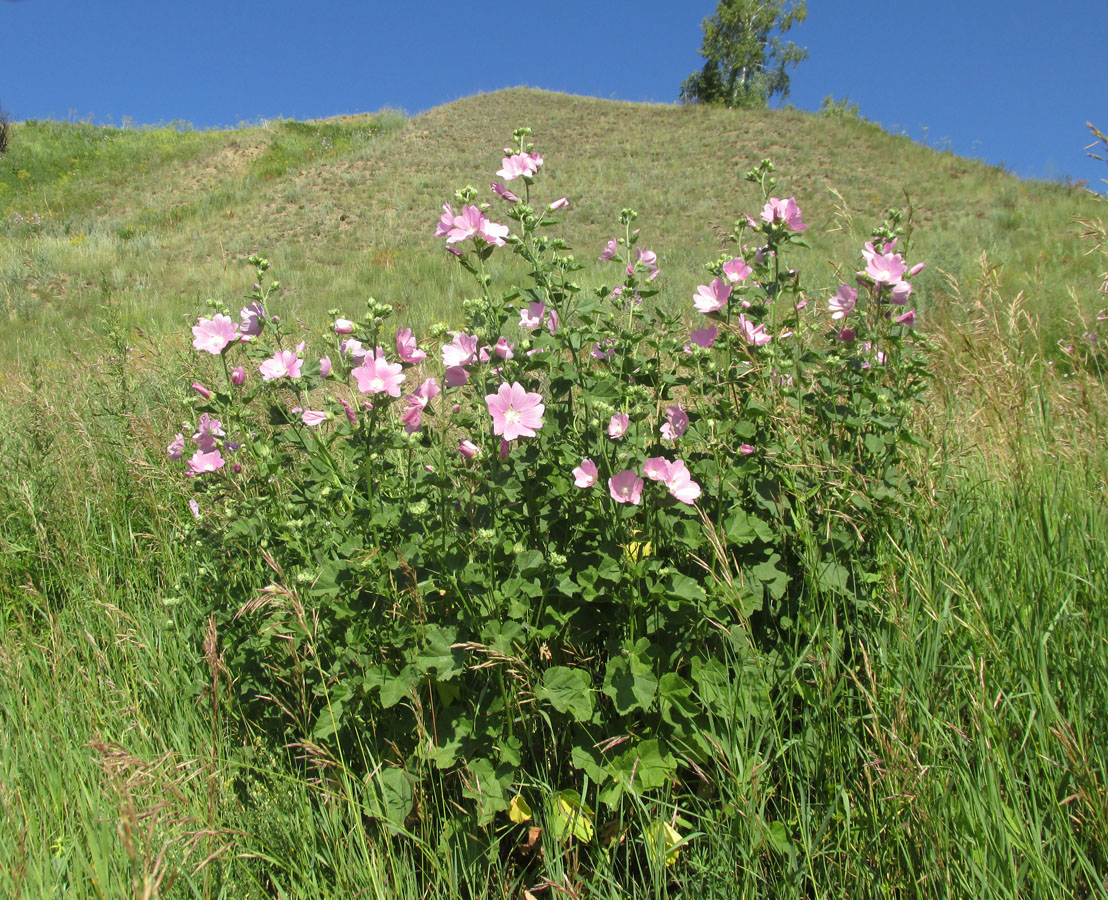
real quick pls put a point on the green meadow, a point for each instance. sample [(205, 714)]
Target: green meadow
[(955, 747)]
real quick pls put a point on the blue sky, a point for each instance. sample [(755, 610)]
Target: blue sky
[(1008, 82)]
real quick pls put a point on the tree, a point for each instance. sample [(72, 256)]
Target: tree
[(745, 58), (5, 124)]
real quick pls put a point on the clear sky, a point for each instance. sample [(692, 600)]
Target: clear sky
[(1007, 81)]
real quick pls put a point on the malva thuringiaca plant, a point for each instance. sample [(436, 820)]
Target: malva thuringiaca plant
[(519, 561)]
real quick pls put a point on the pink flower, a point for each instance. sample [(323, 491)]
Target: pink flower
[(412, 417), (351, 416), (916, 269), (462, 351), (519, 165), (585, 474), (532, 317), (205, 462), (201, 390), (407, 348), (649, 259), (515, 412), (626, 487), (446, 221), (746, 449), (736, 270), (238, 376), (325, 367), (603, 351), (353, 348), (783, 211), (846, 335), (283, 363), (313, 417), (176, 448), (677, 422), (214, 334), (253, 318), (704, 337), (908, 319), (194, 507), (900, 293), (755, 335), (207, 430), (379, 376), (886, 268), (656, 468), (843, 303), (473, 223), (343, 326), (617, 426), (468, 449), (712, 298), (503, 349), (878, 356), (680, 483), (610, 250), (560, 203), (455, 376), (505, 448), (504, 193)]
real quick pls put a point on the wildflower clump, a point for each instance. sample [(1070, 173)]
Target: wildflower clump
[(542, 564)]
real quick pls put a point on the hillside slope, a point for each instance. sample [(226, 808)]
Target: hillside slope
[(154, 221)]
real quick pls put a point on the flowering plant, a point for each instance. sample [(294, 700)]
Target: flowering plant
[(537, 564)]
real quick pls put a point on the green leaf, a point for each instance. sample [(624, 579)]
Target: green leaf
[(742, 528), (675, 696), (683, 587), (397, 688), (438, 655), (643, 767), (487, 785), (567, 690), (629, 679), (394, 795), (775, 581)]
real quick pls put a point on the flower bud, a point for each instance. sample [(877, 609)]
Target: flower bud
[(238, 376), (201, 390), (343, 326)]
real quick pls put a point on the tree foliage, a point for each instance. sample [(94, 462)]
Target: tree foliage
[(745, 58), (5, 123)]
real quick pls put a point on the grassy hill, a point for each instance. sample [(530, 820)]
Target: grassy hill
[(153, 221), (958, 751)]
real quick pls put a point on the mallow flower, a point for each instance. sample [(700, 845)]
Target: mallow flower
[(283, 363), (843, 303), (680, 483), (407, 348), (617, 425), (379, 376), (712, 298), (515, 411), (585, 475), (214, 334), (676, 424), (626, 487)]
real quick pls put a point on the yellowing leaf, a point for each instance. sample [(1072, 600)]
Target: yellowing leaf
[(637, 550), (518, 810), (663, 837), (570, 816)]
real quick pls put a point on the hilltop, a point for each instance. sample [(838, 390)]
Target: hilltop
[(153, 221)]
